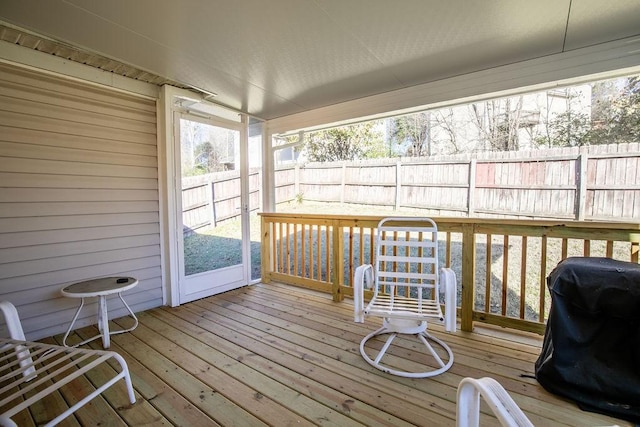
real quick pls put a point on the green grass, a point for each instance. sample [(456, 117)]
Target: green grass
[(221, 246)]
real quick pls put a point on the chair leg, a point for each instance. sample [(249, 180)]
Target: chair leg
[(393, 329)]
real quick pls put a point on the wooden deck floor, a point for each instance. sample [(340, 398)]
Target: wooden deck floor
[(278, 355)]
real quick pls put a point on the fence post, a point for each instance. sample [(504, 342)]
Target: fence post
[(398, 185), (468, 277), (472, 187), (342, 182), (337, 276), (581, 185), (212, 202), (296, 181)]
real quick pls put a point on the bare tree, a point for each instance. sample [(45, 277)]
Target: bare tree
[(498, 121), (414, 130)]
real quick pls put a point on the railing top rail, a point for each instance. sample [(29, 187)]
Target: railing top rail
[(451, 221)]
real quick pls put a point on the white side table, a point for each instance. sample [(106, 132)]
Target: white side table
[(100, 288)]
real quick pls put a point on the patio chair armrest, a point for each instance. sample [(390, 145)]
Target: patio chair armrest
[(14, 327), (497, 398), (363, 277), (450, 286), (12, 320)]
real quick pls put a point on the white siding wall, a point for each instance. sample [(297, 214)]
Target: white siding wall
[(78, 196)]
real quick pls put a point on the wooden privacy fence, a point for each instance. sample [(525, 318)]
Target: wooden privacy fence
[(576, 183), (210, 199), (501, 264)]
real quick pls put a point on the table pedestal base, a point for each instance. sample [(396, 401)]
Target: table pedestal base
[(103, 323)]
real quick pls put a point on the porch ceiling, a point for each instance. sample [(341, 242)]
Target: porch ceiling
[(281, 57)]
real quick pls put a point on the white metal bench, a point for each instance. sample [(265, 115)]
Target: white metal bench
[(26, 366)]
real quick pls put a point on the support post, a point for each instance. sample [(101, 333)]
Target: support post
[(468, 277), (266, 251)]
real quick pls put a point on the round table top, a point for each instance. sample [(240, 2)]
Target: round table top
[(98, 287)]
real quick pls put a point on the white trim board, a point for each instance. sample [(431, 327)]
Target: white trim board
[(12, 53)]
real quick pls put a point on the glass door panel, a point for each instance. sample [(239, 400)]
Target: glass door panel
[(211, 208)]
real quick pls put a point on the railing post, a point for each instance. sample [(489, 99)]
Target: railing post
[(468, 277), (265, 251), (337, 273)]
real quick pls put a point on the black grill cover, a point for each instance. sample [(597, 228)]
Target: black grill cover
[(591, 349)]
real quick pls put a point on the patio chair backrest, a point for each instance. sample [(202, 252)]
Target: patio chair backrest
[(406, 262)]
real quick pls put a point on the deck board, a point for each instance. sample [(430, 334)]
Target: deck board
[(279, 355)]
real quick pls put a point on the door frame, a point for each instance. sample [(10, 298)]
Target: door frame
[(201, 285), (167, 179)]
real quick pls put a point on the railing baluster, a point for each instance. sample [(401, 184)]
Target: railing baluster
[(303, 245), (371, 245), (609, 249), (327, 249), (295, 249), (488, 275), (288, 248), (543, 277), (523, 276), (337, 278), (361, 245), (447, 253), (281, 247), (351, 254), (312, 248), (505, 272)]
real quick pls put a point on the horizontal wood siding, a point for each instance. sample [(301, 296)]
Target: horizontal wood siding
[(78, 196)]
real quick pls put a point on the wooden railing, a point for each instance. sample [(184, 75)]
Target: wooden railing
[(501, 264)]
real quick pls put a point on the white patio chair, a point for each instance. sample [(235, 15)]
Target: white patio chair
[(28, 370), (497, 398), (406, 284)]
